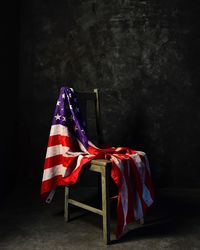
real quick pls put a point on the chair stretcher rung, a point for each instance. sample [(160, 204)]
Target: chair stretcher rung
[(84, 206)]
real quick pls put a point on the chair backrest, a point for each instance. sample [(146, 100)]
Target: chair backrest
[(90, 108)]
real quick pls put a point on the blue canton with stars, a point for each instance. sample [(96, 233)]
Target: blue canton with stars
[(67, 113)]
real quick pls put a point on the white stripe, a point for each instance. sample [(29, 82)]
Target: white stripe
[(141, 153), (80, 157), (59, 130), (52, 172), (72, 154), (138, 212), (61, 170), (56, 150), (137, 160), (140, 166), (146, 160), (81, 146), (147, 196), (118, 149)]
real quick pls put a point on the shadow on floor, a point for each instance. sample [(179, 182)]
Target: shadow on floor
[(172, 214)]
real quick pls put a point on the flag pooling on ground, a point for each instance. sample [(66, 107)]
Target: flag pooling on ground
[(69, 150)]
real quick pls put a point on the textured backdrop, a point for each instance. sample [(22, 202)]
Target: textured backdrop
[(144, 58)]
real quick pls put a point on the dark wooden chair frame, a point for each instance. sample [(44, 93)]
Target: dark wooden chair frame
[(101, 166)]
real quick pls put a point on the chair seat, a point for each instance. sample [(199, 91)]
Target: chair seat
[(99, 164)]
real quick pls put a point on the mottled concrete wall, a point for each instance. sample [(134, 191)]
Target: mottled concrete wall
[(9, 37), (144, 58)]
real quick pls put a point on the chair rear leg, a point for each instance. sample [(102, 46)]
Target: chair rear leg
[(66, 205)]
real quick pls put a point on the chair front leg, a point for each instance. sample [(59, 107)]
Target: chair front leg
[(105, 204)]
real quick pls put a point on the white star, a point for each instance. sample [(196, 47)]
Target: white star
[(70, 106), (57, 117), (58, 103), (63, 96), (64, 118)]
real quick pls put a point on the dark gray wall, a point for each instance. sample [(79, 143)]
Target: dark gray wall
[(9, 47), (144, 58)]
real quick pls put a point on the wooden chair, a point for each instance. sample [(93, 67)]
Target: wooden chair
[(99, 166)]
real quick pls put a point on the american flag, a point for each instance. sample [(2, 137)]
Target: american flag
[(69, 150)]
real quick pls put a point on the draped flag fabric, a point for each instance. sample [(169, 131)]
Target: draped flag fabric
[(69, 150)]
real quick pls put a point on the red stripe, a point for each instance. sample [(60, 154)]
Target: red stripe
[(148, 179), (71, 179), (66, 181), (129, 184), (137, 181), (57, 160), (60, 140), (116, 175), (48, 185), (120, 217)]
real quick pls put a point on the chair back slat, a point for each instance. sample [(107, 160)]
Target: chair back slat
[(87, 102)]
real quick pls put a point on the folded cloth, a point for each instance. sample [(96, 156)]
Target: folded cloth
[(69, 150)]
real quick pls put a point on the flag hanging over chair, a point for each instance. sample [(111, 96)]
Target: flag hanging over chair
[(69, 150)]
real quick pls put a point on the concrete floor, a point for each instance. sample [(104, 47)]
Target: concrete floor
[(26, 223)]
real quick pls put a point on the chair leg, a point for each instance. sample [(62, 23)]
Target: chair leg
[(142, 221), (105, 205), (66, 205), (99, 188)]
